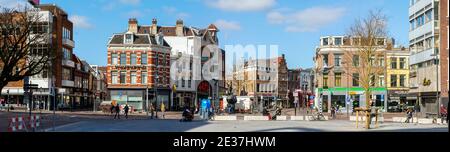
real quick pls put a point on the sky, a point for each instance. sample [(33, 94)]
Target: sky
[(294, 25)]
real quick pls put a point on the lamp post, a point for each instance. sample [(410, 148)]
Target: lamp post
[(347, 96)]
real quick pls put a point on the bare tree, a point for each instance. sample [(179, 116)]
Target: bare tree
[(24, 49), (366, 55)]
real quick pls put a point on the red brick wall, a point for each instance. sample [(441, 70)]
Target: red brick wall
[(444, 47)]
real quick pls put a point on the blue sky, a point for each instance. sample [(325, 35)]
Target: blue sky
[(294, 25)]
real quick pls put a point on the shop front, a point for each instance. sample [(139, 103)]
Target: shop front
[(349, 98), (134, 98)]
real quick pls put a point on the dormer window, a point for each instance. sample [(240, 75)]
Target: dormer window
[(325, 41), (337, 41), (128, 38)]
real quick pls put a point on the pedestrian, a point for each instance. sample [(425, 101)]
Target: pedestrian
[(443, 111), (112, 108), (163, 109), (409, 114), (337, 108), (155, 106), (126, 111), (151, 110), (333, 112), (117, 108)]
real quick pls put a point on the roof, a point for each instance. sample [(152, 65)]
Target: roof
[(137, 39)]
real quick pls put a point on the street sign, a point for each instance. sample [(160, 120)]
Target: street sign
[(30, 86), (61, 90)]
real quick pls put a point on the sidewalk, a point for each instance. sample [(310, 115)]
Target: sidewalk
[(65, 117)]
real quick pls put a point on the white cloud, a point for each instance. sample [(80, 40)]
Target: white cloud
[(109, 6), (241, 5), (135, 14), (183, 15), (133, 2), (169, 10), (227, 25), (308, 20), (80, 21), (173, 11)]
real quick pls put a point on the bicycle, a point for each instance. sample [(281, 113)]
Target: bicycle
[(317, 117)]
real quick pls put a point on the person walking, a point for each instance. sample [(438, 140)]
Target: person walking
[(163, 109), (126, 111), (117, 112), (444, 115), (409, 114), (333, 113), (151, 110), (112, 108)]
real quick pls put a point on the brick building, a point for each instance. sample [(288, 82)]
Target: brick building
[(444, 62), (54, 21), (138, 68)]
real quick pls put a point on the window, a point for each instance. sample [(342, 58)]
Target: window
[(133, 77), (420, 21), (123, 59), (372, 60), (402, 80), (381, 61), (325, 59), (325, 41), (393, 80), (182, 82), (67, 55), (372, 80), (412, 25), (66, 74), (356, 41), (380, 41), (355, 60), (337, 59), (66, 33), (128, 38), (338, 41), (402, 63), (428, 16), (133, 59), (428, 43), (114, 77), (381, 81), (355, 79), (419, 46), (44, 73), (123, 77), (144, 58), (337, 79), (325, 80), (393, 63), (144, 77), (114, 58)]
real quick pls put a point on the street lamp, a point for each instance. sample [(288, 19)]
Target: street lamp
[(347, 99)]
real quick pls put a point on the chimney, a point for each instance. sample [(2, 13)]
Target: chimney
[(132, 25), (179, 28), (154, 29)]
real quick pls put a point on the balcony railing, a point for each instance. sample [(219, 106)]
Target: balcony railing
[(69, 42)]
